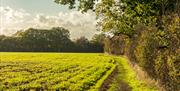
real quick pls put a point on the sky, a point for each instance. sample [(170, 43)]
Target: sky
[(18, 15)]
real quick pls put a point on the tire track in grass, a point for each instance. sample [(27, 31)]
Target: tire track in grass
[(126, 79)]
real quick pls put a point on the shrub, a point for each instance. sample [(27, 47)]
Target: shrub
[(145, 51), (155, 50), (116, 45)]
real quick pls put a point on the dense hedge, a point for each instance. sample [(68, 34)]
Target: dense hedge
[(156, 51), (116, 45)]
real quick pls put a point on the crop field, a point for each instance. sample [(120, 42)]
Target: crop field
[(54, 71)]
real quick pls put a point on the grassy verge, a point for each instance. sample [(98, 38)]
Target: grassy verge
[(126, 79)]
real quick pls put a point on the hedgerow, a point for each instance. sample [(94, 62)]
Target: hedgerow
[(156, 51)]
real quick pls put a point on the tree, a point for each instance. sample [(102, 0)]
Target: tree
[(97, 42), (56, 39), (82, 44), (122, 16), (45, 40), (84, 5), (9, 44), (98, 38)]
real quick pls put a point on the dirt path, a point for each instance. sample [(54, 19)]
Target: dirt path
[(113, 78), (123, 78)]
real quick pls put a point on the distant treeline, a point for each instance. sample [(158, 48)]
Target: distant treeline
[(48, 40)]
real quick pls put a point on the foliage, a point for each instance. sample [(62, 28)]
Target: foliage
[(122, 16), (83, 5), (98, 38), (116, 45), (48, 40), (145, 51), (54, 71), (157, 52)]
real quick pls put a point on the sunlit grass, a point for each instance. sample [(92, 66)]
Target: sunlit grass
[(127, 80)]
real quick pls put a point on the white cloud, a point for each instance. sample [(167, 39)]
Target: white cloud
[(11, 19), (77, 23), (8, 15)]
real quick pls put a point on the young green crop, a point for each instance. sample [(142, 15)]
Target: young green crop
[(66, 72), (53, 71)]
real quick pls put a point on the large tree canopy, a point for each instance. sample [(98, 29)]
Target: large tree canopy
[(121, 16), (83, 5)]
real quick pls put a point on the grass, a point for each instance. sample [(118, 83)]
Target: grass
[(126, 79), (66, 71)]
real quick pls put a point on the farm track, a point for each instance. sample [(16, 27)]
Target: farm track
[(107, 82), (123, 86)]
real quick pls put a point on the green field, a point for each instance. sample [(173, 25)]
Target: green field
[(55, 71), (64, 72)]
